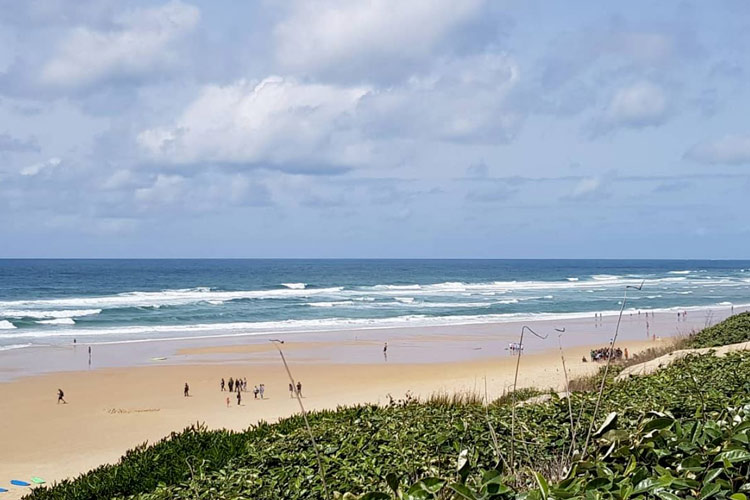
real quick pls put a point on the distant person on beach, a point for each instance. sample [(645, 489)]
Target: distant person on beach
[(256, 391), (61, 397), (626, 353), (299, 388), (291, 390), (231, 384), (244, 384), (89, 355), (385, 348), (186, 391), (227, 401), (239, 398), (262, 390), (222, 385)]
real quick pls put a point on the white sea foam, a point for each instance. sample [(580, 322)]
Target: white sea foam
[(6, 325), (405, 300), (14, 346), (572, 279), (331, 304), (164, 297), (41, 314), (168, 332), (57, 321), (295, 286), (679, 272)]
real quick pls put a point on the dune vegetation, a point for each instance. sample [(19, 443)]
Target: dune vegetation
[(682, 432)]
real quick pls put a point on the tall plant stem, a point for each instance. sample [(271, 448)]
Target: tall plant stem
[(304, 416), (515, 385), (606, 367), (567, 392)]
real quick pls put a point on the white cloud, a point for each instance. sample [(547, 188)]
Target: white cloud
[(141, 42), (165, 190), (326, 34), (639, 105), (464, 99), (588, 188), (275, 121), (730, 150), (37, 168)]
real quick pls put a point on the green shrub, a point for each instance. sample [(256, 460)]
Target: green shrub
[(732, 330)]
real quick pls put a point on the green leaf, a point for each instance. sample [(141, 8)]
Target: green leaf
[(417, 492), (609, 422), (734, 456), (462, 491), (709, 490), (665, 494), (392, 481), (543, 485), (738, 496), (432, 484), (646, 485), (657, 423), (712, 475)]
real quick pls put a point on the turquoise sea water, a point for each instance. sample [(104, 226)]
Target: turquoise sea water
[(45, 302)]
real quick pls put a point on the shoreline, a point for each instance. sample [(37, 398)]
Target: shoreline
[(489, 338)]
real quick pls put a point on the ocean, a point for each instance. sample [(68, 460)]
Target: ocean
[(52, 302)]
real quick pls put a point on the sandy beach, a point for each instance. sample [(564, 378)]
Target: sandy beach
[(112, 408)]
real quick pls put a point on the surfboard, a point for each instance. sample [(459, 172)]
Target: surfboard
[(16, 482), (3, 490), (158, 359), (37, 480)]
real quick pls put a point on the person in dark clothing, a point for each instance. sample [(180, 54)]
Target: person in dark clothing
[(61, 397), (299, 388), (186, 392), (222, 385), (239, 398)]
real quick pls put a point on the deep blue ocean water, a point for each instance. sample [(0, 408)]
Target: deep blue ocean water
[(46, 302)]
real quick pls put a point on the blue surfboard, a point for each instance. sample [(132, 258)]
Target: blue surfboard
[(16, 482), (3, 490)]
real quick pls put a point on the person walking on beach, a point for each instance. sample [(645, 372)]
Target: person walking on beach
[(291, 391), (231, 384), (186, 391), (239, 398), (262, 390), (222, 385), (244, 384), (89, 355), (299, 388), (227, 401), (61, 397)]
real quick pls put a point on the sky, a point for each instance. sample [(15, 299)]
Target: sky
[(375, 128)]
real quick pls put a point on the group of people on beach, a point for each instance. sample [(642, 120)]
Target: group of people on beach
[(292, 389), (605, 353), (238, 386)]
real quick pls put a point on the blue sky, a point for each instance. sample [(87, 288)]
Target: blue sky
[(379, 128)]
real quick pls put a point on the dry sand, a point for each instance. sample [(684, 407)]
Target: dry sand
[(111, 410)]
